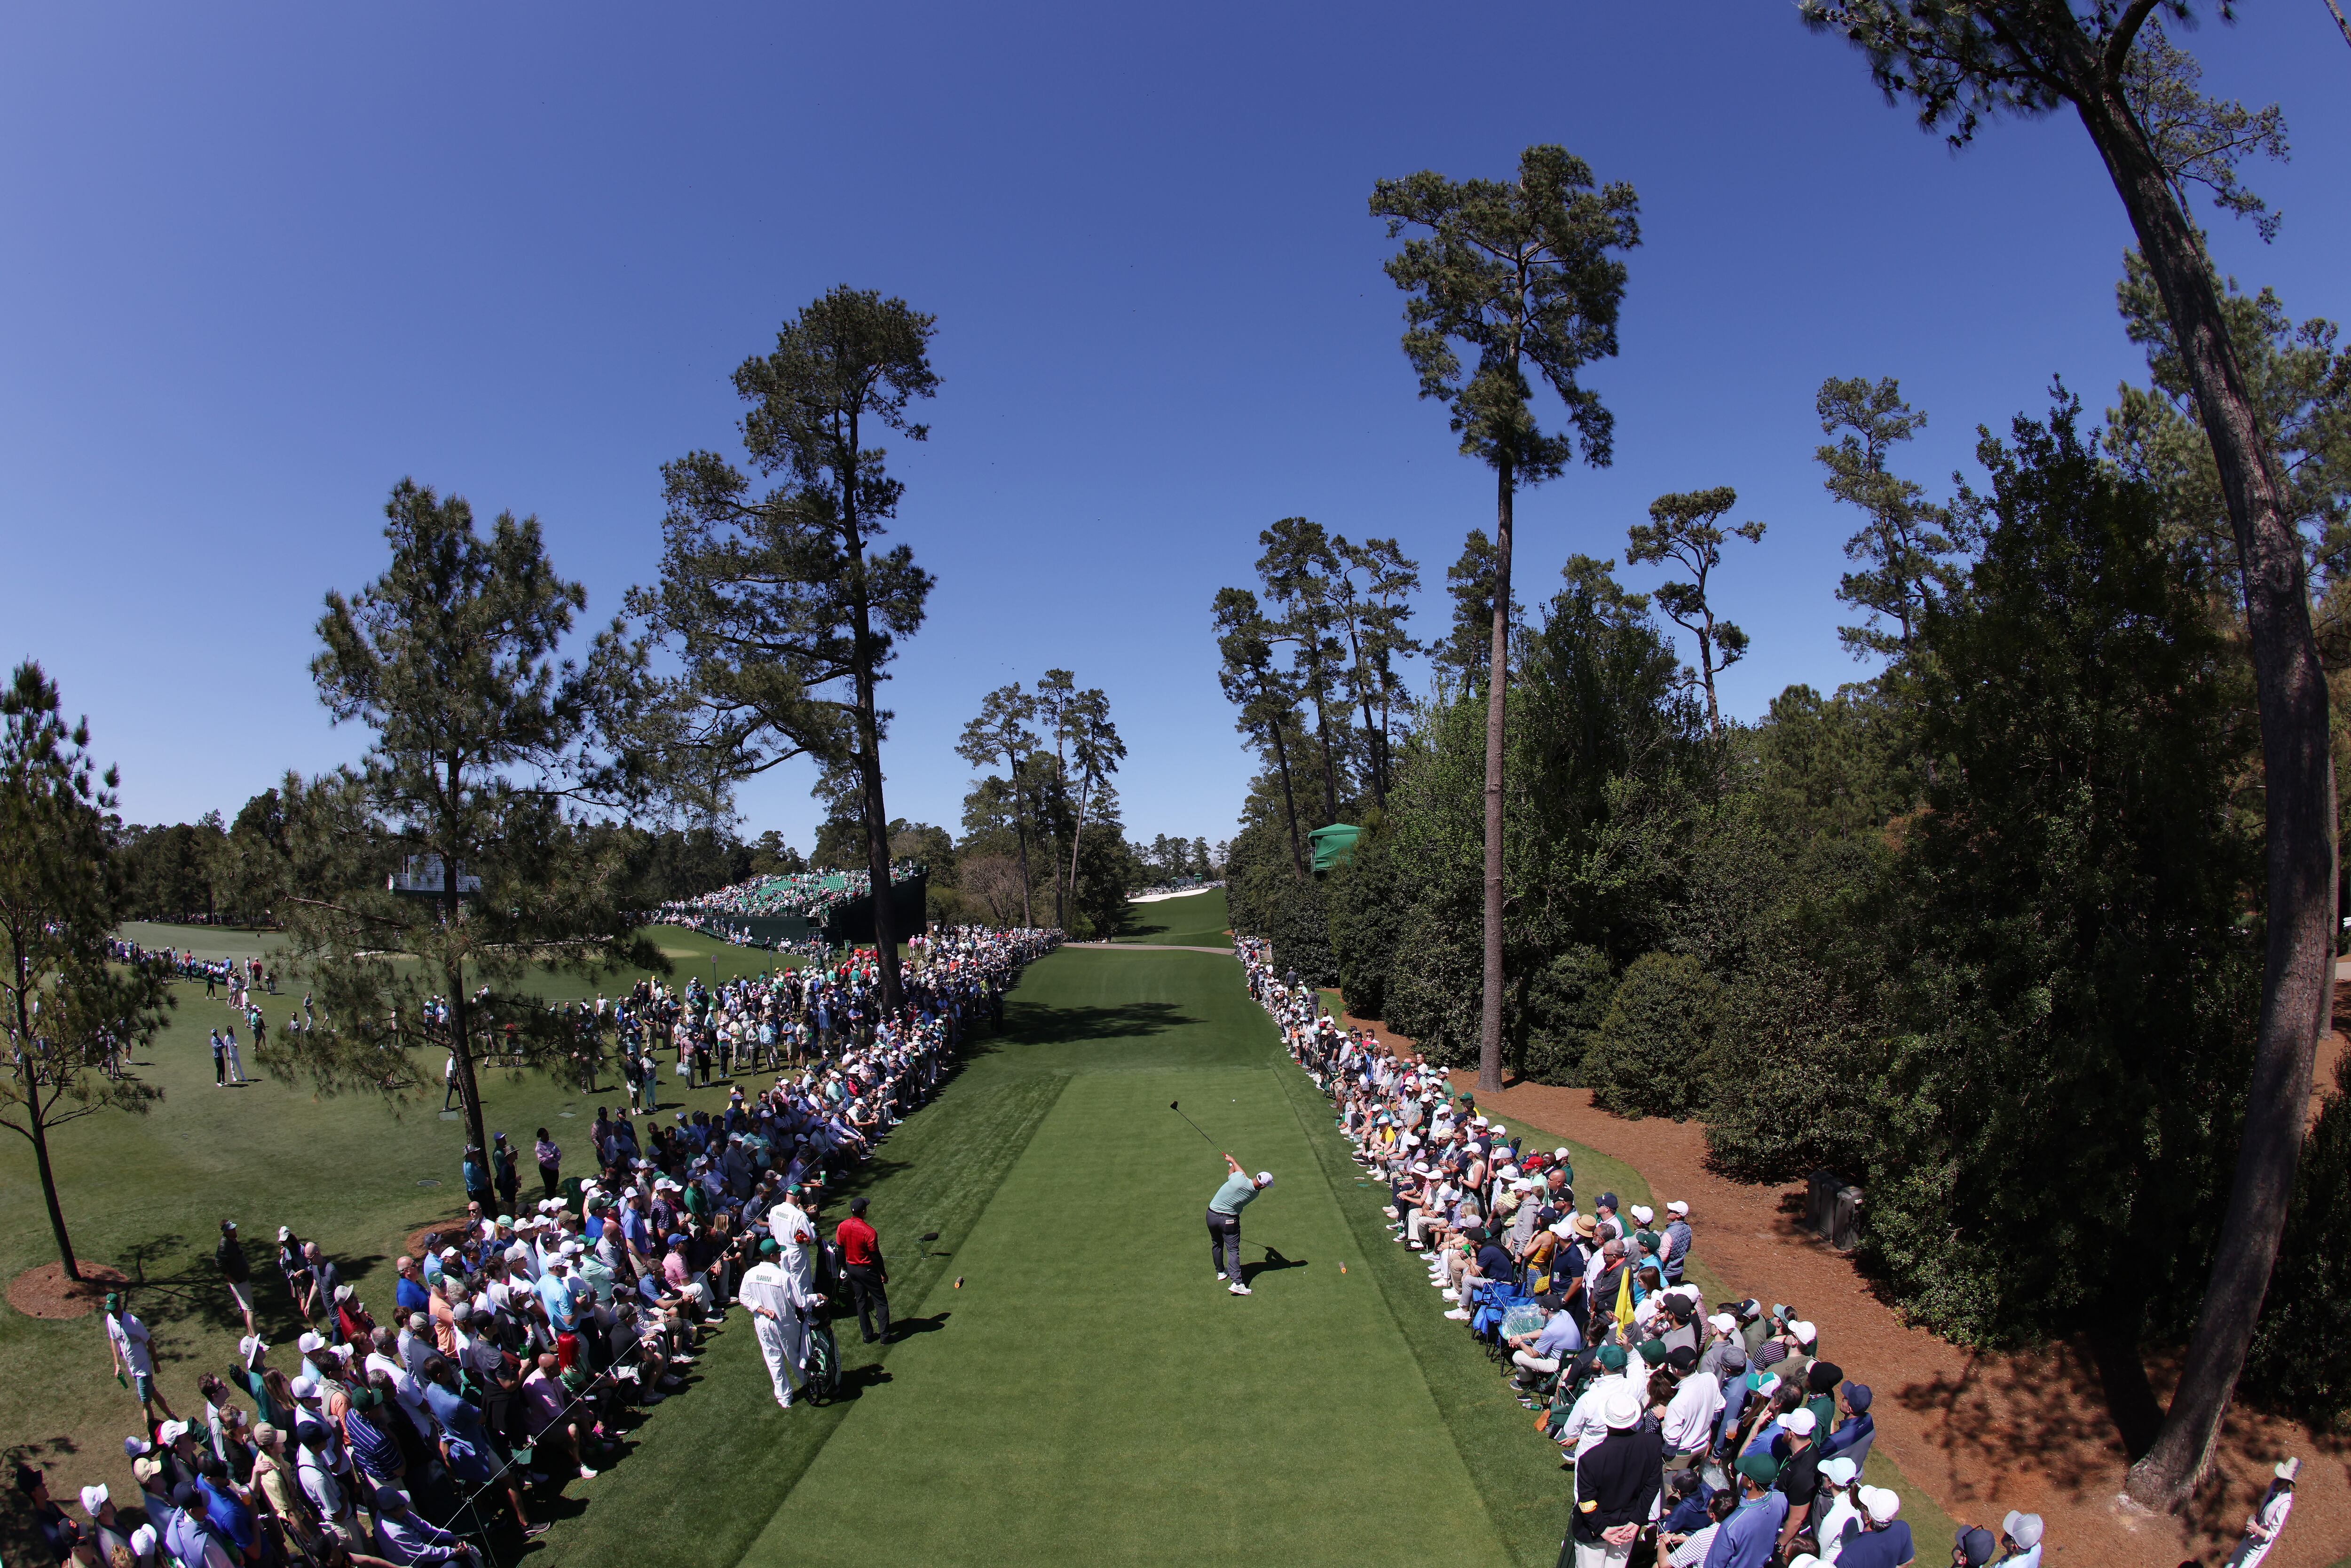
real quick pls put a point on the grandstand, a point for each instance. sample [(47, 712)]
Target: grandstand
[(797, 906)]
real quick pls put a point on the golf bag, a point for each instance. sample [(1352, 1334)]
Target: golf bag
[(823, 1366)]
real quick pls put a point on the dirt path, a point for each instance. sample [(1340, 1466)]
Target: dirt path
[(2047, 1432)]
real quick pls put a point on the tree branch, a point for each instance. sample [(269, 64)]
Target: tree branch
[(2118, 46)]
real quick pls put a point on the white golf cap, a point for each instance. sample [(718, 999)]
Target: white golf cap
[(1265, 1178), (1799, 1422), (1879, 1503), (1804, 1332), (93, 1498), (1723, 1323), (309, 1343), (1623, 1409), (1677, 1207), (1841, 1471), (1644, 1213), (1559, 1153)]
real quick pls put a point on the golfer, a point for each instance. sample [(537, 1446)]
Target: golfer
[(1224, 1221)]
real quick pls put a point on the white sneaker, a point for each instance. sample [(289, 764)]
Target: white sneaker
[(1457, 1315), (586, 1474), (1220, 1273), (1414, 1245), (1454, 1296), (1238, 1289)]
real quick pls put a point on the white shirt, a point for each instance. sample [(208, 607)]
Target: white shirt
[(1842, 1512), (768, 1287), (1587, 1423), (1691, 1413), (129, 1337), (787, 1222)]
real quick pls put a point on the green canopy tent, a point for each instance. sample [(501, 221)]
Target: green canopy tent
[(1333, 845)]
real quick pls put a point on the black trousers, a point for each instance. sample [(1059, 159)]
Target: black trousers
[(865, 1288)]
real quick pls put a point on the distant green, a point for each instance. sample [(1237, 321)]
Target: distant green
[(1195, 920)]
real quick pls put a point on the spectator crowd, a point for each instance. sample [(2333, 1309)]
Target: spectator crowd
[(520, 1341), (1713, 1437)]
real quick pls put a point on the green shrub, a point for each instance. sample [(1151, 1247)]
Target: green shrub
[(1301, 932), (1364, 900), (1565, 1005), (1649, 1057), (2301, 1351)]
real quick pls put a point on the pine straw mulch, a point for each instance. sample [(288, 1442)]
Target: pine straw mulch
[(44, 1291)]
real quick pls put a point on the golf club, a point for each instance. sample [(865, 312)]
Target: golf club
[(1178, 1109)]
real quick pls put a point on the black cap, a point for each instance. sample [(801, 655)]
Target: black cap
[(856, 1206)]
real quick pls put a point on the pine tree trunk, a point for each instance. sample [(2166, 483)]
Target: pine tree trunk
[(39, 1135), (461, 1046), (1498, 681), (1077, 836), (1289, 801), (2292, 690), (877, 849), (1020, 835)]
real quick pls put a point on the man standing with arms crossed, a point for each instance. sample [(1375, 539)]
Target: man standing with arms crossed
[(1224, 1221)]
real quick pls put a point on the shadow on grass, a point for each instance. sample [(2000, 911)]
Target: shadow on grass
[(168, 1286), (905, 1328), (1274, 1263), (1027, 1024)]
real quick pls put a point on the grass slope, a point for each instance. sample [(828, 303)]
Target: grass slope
[(1195, 920), (147, 1194)]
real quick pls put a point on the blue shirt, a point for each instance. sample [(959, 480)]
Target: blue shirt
[(1748, 1536), (1689, 1515), (555, 1291), (1851, 1432), (229, 1516), (375, 1449), (1234, 1195), (409, 1538), (1886, 1548), (412, 1296), (1559, 1337)]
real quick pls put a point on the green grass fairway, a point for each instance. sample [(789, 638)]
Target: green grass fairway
[(1091, 1394), (1195, 920)]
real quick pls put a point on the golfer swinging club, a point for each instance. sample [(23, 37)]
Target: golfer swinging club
[(1225, 1220)]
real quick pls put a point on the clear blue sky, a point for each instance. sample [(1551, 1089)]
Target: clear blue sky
[(259, 263)]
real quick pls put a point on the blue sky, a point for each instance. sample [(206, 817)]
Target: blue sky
[(259, 263)]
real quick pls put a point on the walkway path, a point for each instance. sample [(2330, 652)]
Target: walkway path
[(1983, 1433)]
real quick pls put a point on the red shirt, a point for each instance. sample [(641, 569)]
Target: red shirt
[(857, 1243)]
